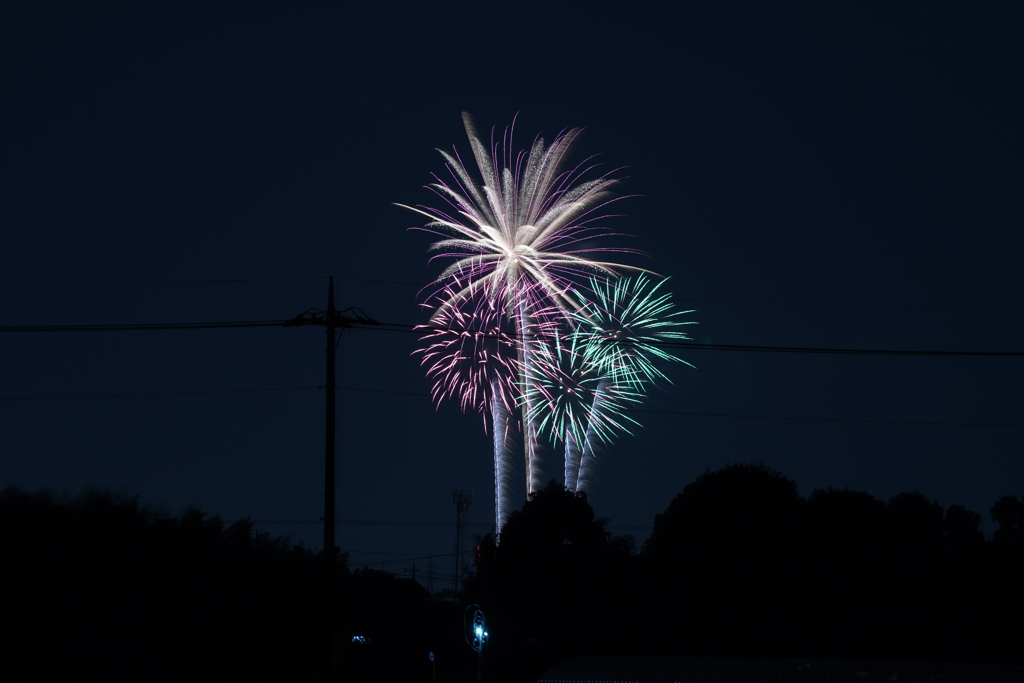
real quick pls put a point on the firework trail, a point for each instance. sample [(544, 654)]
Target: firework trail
[(518, 243), (503, 458), (576, 400), (473, 361)]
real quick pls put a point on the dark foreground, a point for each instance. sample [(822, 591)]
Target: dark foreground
[(99, 587), (740, 670)]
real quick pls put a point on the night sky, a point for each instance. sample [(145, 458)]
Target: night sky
[(817, 175)]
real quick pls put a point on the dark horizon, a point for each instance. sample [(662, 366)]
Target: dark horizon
[(739, 572)]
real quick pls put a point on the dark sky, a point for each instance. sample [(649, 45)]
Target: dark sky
[(857, 166)]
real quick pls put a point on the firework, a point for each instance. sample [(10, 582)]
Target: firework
[(620, 334), (519, 233), (517, 239), (626, 323), (469, 353), (472, 361), (576, 400), (527, 326)]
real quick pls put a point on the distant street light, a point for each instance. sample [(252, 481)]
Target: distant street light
[(476, 635)]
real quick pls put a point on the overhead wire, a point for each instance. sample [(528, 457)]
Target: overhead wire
[(419, 329), (159, 393), (759, 303), (726, 302), (405, 327), (156, 282), (426, 395), (747, 417), (391, 522), (142, 326), (392, 552)]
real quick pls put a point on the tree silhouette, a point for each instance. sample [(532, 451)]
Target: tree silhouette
[(1008, 513), (724, 561), (850, 576), (99, 585), (557, 584)]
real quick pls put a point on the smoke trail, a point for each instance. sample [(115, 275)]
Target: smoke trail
[(502, 458)]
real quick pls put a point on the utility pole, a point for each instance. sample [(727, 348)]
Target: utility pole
[(333, 320), (462, 499), (329, 488), (411, 571)]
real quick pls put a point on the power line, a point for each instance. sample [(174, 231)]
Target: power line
[(420, 394), (390, 522), (763, 303), (873, 308), (783, 304), (382, 282), (162, 393), (142, 326), (387, 391), (420, 329), (156, 282), (828, 419), (391, 552), (405, 327), (749, 417), (403, 557), (834, 351), (752, 417), (759, 303)]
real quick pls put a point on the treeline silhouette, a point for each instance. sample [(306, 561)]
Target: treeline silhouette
[(100, 587), (741, 565)]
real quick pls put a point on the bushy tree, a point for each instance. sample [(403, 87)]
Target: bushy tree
[(557, 583), (723, 561), (1008, 513), (99, 585)]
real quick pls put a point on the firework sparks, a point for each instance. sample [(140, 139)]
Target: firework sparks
[(576, 400), (519, 233), (472, 361), (526, 320), (517, 240), (625, 324), (469, 354), (620, 332)]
